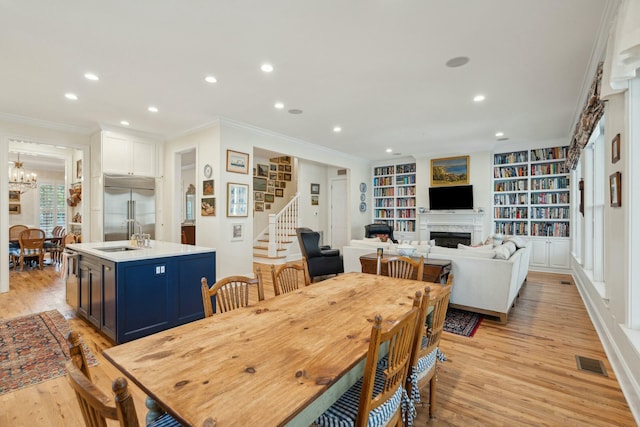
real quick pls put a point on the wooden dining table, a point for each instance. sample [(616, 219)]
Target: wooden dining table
[(281, 361)]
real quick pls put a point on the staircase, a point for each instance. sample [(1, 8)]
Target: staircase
[(278, 243)]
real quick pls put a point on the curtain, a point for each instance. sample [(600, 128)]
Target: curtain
[(591, 114)]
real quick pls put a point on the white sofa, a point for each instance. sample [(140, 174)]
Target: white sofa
[(482, 283)]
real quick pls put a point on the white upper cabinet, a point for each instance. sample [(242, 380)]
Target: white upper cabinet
[(126, 156)]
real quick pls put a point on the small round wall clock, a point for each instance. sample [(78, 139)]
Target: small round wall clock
[(207, 171)]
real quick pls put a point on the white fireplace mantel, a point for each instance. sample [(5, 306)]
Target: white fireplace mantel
[(452, 222)]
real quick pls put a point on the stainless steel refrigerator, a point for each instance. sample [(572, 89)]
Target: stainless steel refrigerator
[(129, 202)]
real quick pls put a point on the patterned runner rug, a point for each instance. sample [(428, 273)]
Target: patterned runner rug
[(34, 349), (462, 322)]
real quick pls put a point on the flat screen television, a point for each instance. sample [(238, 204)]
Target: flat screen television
[(449, 198)]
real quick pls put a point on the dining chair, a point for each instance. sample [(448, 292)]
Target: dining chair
[(289, 276), (403, 267), (95, 406), (230, 293), (31, 246), (14, 242), (56, 246), (424, 360), (379, 397)]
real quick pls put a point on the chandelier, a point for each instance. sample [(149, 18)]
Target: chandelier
[(19, 180)]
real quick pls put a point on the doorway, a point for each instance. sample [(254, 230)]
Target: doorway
[(185, 192)]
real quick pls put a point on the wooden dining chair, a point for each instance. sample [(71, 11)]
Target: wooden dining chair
[(96, 407), (380, 394), (403, 267), (289, 276), (31, 246), (230, 293), (14, 243), (424, 360), (56, 246)]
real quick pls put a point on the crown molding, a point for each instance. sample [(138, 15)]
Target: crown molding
[(195, 129), (14, 118)]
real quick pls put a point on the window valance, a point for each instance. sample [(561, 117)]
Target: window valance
[(591, 114)]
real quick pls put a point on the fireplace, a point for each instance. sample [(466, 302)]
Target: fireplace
[(469, 223), (449, 239)]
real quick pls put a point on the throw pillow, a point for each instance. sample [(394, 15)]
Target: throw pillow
[(520, 242), (510, 246), (502, 252)]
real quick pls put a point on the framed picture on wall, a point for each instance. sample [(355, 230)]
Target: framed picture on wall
[(208, 206), (207, 187), (14, 209), (615, 149), (14, 196), (237, 162), (315, 188), (268, 197), (263, 170), (279, 192), (237, 232), (237, 199), (615, 189), (450, 171)]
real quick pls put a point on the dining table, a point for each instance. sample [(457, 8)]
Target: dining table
[(280, 361)]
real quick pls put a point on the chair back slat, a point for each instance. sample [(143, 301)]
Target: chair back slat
[(403, 267), (289, 276), (231, 293)]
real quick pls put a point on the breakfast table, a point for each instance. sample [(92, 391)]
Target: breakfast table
[(281, 361)]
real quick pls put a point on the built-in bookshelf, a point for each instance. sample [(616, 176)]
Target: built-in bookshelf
[(531, 197), (394, 196), (531, 193)]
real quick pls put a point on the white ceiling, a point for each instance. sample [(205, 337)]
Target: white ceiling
[(374, 67)]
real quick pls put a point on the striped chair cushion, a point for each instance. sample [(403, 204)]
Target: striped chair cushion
[(164, 420), (344, 411), (418, 372), (14, 251), (31, 251)]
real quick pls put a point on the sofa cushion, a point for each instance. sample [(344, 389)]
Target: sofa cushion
[(502, 252), (480, 247), (479, 253)]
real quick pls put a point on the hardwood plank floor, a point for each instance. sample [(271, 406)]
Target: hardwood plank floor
[(519, 374)]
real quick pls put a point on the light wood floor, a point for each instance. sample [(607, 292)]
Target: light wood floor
[(519, 374)]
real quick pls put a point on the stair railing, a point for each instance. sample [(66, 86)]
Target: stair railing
[(283, 225)]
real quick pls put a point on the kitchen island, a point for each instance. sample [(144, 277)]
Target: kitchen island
[(128, 292)]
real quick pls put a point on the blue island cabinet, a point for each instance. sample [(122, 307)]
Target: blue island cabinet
[(133, 299)]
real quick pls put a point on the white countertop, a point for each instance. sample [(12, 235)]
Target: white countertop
[(158, 249)]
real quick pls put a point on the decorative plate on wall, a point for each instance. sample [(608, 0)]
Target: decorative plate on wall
[(363, 187), (207, 171), (363, 207)]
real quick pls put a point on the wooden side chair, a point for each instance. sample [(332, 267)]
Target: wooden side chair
[(14, 243), (379, 397), (403, 267), (231, 292), (31, 246), (95, 405), (289, 277), (423, 369), (56, 246)]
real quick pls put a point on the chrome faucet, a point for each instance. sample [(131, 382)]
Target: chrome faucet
[(142, 240)]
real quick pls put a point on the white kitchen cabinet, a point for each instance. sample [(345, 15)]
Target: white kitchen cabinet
[(126, 156), (550, 254)]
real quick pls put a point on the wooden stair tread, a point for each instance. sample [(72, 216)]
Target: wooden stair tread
[(266, 248), (284, 241), (267, 256)]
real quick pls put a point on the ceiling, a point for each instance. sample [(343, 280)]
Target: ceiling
[(376, 68)]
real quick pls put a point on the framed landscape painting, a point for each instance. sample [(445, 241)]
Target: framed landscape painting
[(450, 171)]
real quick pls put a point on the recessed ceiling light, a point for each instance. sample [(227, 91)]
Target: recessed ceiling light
[(389, 150), (279, 105), (337, 129), (295, 111), (71, 96), (458, 61), (478, 98), (124, 123), (91, 76), (210, 79), (499, 134), (267, 68), (153, 109)]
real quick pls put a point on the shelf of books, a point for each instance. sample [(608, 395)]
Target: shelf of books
[(394, 196)]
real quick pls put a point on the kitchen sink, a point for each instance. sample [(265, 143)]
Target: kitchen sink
[(117, 249)]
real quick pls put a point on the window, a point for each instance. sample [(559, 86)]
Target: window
[(52, 206)]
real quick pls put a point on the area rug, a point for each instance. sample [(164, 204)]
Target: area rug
[(461, 322), (34, 349)]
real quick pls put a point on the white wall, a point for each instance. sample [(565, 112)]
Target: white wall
[(314, 217), (30, 201), (609, 304)]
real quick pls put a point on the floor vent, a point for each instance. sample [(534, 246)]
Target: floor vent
[(565, 282), (591, 365)]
